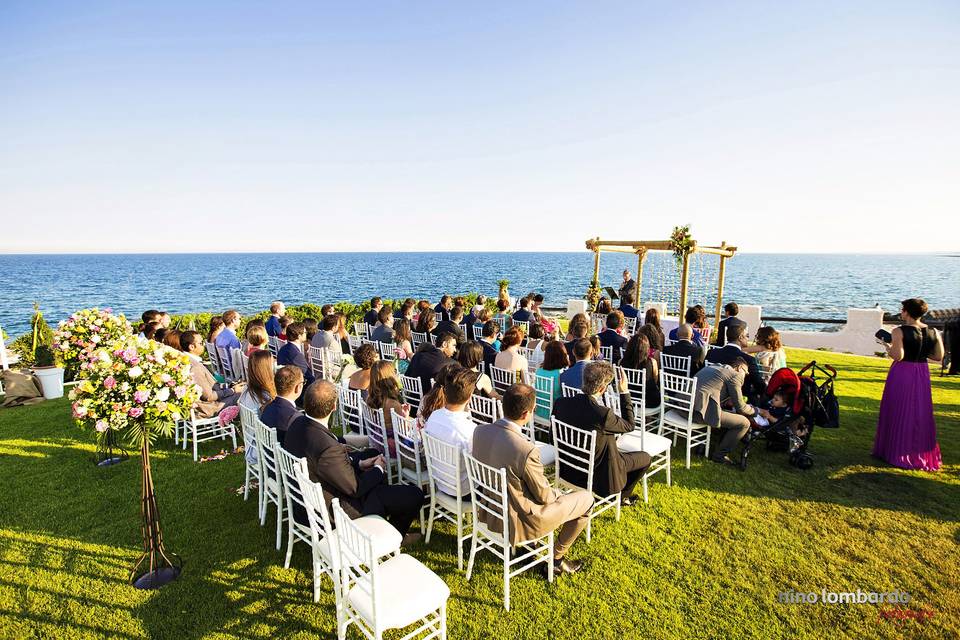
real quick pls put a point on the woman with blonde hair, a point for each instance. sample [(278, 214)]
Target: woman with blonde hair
[(256, 338), (769, 350)]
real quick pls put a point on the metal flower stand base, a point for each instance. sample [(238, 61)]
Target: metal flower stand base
[(155, 567), (109, 451)]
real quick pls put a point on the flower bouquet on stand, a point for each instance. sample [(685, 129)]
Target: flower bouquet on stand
[(138, 389), (77, 337)]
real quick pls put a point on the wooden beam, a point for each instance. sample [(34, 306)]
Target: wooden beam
[(720, 276), (684, 273), (641, 254)]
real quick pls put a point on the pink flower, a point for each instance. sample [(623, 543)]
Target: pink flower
[(76, 411), (110, 382), (101, 426), (180, 391), (140, 396), (135, 412)]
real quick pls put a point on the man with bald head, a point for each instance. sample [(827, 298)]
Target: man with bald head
[(684, 346), (357, 478)]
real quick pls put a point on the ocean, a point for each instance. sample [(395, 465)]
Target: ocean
[(796, 285)]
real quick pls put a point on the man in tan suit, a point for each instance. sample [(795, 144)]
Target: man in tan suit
[(535, 508), (213, 396)]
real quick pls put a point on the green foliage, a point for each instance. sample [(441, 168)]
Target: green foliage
[(35, 348), (704, 559)]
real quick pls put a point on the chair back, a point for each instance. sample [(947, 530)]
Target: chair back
[(677, 365), (418, 338), (267, 448), (375, 428), (239, 364), (361, 329), (636, 381), (598, 321), (568, 391), (503, 378), (611, 399), (704, 333), (484, 410), (524, 325), (544, 389), (606, 353), (358, 562), (406, 437), (274, 343), (317, 514), (630, 325), (478, 331), (443, 466), (387, 350), (316, 360), (248, 426), (349, 406), (214, 357), (226, 362), (412, 390), (676, 393), (488, 492), (575, 449), (287, 463)]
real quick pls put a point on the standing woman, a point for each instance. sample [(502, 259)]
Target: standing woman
[(906, 431)]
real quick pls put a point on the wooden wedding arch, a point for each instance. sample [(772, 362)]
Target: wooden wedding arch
[(641, 247)]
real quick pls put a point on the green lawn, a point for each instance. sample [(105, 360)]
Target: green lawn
[(706, 558)]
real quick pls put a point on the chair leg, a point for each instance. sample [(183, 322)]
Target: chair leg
[(279, 523), (443, 621), (689, 438), (246, 483), (473, 552), (459, 542), (506, 578), (430, 518), (194, 447), (668, 468), (290, 541), (589, 527)]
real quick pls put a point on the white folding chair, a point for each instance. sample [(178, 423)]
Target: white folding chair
[(484, 410), (766, 370), (637, 386), (296, 531), (385, 594), (323, 540), (351, 420), (443, 470), (387, 350), (317, 360), (503, 378), (354, 342), (248, 432), (204, 429), (523, 324), (376, 430), (598, 321), (629, 325), (411, 467), (704, 333), (240, 362), (488, 495), (418, 338), (576, 449), (656, 445), (412, 390), (478, 331), (568, 391), (271, 486), (361, 329), (226, 363), (677, 365), (606, 353), (214, 356), (543, 386), (676, 412)]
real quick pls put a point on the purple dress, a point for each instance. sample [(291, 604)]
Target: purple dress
[(906, 431)]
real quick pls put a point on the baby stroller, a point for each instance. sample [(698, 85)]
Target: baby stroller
[(814, 404)]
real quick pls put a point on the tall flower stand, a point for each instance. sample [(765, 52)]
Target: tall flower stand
[(155, 567), (109, 451)]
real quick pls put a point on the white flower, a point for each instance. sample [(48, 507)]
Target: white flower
[(163, 394), (135, 372)]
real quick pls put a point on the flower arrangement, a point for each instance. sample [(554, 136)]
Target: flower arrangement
[(682, 243), (80, 335), (135, 386)]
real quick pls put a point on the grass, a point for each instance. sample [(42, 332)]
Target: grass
[(706, 558)]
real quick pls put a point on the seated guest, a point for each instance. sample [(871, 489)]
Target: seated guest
[(422, 305), (404, 309), (371, 316), (654, 339), (626, 306), (753, 384), (429, 359), (292, 352), (327, 337), (452, 326), (284, 323), (172, 339), (610, 337), (147, 317), (691, 317), (731, 311), (509, 357), (311, 326), (683, 346), (535, 341), (261, 388), (502, 317), (358, 481), (149, 330), (554, 362), (442, 310), (403, 343), (383, 332), (595, 346), (535, 303), (228, 337), (364, 357), (434, 399), (426, 322), (716, 386), (523, 314), (282, 410), (252, 324), (452, 424), (768, 349), (472, 318), (159, 334), (213, 395), (326, 310), (603, 306), (385, 393), (216, 328), (256, 338), (579, 330), (272, 326), (614, 471), (637, 356), (470, 356), (652, 318), (488, 341), (582, 354), (165, 319), (535, 508)]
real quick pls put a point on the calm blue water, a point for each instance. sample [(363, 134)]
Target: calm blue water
[(789, 285)]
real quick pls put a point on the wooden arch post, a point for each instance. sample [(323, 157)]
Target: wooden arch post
[(641, 256), (684, 275), (720, 276)]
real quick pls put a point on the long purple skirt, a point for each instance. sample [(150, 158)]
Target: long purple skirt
[(906, 432)]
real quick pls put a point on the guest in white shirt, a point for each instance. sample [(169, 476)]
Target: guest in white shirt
[(452, 423)]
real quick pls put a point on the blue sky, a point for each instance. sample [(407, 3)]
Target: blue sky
[(184, 126)]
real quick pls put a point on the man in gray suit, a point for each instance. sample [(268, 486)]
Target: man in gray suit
[(213, 395), (535, 508), (719, 386)]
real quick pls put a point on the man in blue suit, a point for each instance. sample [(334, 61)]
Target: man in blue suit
[(523, 314), (582, 351), (370, 317), (273, 322), (610, 338), (282, 410), (626, 306), (292, 352)]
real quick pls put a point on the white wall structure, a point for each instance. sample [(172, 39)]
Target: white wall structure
[(576, 306), (856, 336)]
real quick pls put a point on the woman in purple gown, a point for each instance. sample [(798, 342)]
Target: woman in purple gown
[(906, 431)]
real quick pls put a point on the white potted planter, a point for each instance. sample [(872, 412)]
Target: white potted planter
[(51, 381)]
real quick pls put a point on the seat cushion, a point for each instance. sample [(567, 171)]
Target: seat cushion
[(406, 591), (386, 538), (674, 417), (653, 443), (548, 454)]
